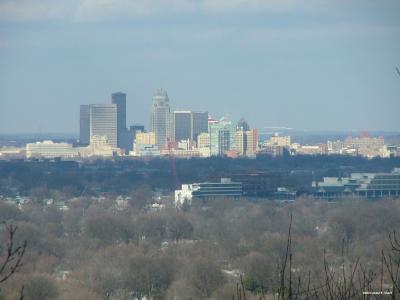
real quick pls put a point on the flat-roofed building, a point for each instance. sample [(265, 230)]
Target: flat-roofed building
[(369, 185), (119, 99), (187, 125), (222, 137), (182, 125), (246, 142), (145, 138), (100, 120), (203, 140), (50, 150), (145, 150), (225, 188), (282, 141)]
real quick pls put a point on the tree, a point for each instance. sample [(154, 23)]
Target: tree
[(141, 196), (40, 287), (108, 228), (12, 261), (179, 227), (258, 272), (152, 226), (149, 276), (9, 212), (205, 277)]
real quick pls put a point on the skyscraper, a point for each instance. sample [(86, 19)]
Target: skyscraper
[(246, 142), (199, 124), (182, 125), (187, 125), (84, 136), (119, 99), (222, 137), (246, 139), (99, 120), (160, 118)]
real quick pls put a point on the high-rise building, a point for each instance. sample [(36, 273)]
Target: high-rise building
[(129, 137), (136, 127), (199, 124), (119, 99), (84, 136), (100, 120), (187, 125), (160, 118), (252, 142), (182, 125), (222, 137), (243, 125), (241, 142), (246, 142)]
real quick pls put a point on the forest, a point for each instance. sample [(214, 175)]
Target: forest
[(213, 249)]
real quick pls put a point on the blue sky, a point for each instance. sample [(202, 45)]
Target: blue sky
[(305, 64)]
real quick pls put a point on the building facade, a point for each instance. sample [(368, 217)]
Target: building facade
[(160, 118), (119, 99), (222, 137), (225, 188), (199, 124), (50, 150), (368, 185), (182, 125), (246, 142), (187, 125), (100, 120), (282, 141), (145, 138)]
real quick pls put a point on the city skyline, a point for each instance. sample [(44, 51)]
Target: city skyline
[(316, 65)]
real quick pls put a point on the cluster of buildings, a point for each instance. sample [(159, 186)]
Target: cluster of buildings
[(364, 145), (181, 133), (357, 185), (369, 185)]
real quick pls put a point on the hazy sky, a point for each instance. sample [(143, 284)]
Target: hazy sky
[(305, 64)]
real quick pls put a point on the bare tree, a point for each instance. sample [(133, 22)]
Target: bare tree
[(13, 256)]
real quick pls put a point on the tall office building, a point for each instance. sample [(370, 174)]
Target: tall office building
[(84, 136), (251, 142), (187, 125), (160, 118), (222, 137), (246, 139), (99, 120), (182, 125), (241, 142), (199, 124), (119, 99)]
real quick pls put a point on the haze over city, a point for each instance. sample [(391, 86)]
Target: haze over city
[(316, 65)]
